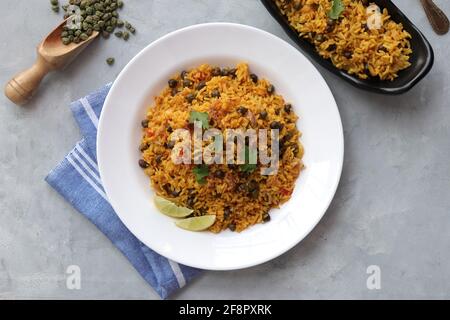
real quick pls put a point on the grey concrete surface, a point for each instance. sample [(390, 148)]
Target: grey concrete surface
[(391, 209)]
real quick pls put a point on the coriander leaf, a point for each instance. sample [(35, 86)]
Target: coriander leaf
[(201, 172), (247, 167), (337, 7), (199, 116)]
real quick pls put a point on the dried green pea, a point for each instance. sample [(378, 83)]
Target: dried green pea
[(55, 8), (54, 2), (84, 36), (66, 41), (118, 34), (126, 36), (86, 26), (110, 61), (120, 23), (120, 4), (109, 29), (99, 7)]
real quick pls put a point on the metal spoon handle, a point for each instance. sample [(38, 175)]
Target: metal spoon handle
[(437, 17)]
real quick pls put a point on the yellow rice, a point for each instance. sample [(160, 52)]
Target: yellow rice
[(233, 208), (378, 53)]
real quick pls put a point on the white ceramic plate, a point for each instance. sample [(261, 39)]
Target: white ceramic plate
[(221, 44)]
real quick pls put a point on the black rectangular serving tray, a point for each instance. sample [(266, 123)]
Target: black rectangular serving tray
[(422, 58)]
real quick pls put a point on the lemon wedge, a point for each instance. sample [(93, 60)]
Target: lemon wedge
[(196, 223), (171, 209)]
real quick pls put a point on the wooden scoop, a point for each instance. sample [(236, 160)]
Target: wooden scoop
[(52, 55)]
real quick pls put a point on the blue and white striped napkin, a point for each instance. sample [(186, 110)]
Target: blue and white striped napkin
[(77, 179)]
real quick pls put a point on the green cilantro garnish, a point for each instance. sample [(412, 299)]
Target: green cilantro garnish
[(199, 116), (248, 167), (337, 7), (201, 172)]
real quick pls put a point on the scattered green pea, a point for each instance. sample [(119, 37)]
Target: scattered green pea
[(126, 35), (110, 61), (54, 2)]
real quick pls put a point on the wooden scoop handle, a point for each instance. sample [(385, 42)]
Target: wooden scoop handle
[(20, 88)]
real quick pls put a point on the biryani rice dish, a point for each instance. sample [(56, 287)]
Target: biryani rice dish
[(232, 98), (355, 41)]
